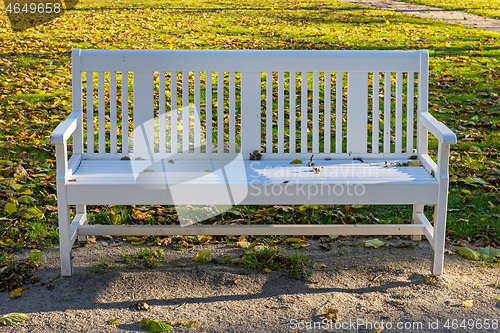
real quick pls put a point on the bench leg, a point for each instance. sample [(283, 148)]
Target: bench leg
[(417, 209), (82, 209), (65, 244), (440, 211)]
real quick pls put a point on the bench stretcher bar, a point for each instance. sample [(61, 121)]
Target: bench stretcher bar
[(274, 229)]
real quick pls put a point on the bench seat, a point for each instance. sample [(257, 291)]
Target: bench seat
[(339, 182)]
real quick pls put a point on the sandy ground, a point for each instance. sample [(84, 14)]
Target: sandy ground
[(453, 16), (366, 286)]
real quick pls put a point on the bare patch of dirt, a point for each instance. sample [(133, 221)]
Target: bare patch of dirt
[(389, 284)]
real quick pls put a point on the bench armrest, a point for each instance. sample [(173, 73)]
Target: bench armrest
[(437, 128), (64, 130)]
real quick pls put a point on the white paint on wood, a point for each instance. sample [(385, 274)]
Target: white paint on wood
[(112, 113), (173, 112), (250, 60), (186, 123), (276, 229), (104, 178), (197, 112), (143, 113), (304, 112), (281, 112), (90, 112), (357, 112), (77, 100), (387, 112), (232, 112), (293, 112), (101, 112), (250, 112), (208, 114), (315, 113), (410, 98), (398, 132), (422, 102), (162, 126), (269, 112), (125, 119), (338, 113), (220, 112), (375, 112), (328, 115)]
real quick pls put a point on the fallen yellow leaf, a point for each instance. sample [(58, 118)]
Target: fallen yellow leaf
[(16, 293)]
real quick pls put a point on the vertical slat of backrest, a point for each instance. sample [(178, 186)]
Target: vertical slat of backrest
[(220, 112), (387, 112), (269, 112), (281, 112), (315, 114), (328, 117), (423, 98), (197, 112), (101, 112), (409, 112), (124, 93), (357, 112), (77, 101), (185, 112), (338, 113), (161, 114), (143, 112), (293, 113), (173, 113), (399, 112), (112, 113), (303, 112), (208, 112), (250, 112), (375, 112), (232, 112), (90, 112)]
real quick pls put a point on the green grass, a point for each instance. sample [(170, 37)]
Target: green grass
[(489, 8), (148, 258), (35, 96), (267, 258)]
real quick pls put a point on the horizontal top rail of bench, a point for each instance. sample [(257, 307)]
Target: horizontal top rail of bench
[(250, 60)]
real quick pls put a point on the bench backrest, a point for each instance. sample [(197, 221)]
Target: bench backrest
[(288, 102)]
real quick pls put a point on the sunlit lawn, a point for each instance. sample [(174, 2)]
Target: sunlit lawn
[(35, 95)]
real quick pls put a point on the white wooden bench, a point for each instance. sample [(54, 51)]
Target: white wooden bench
[(362, 114)]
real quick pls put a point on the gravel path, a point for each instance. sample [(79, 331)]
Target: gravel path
[(378, 285), (453, 16)]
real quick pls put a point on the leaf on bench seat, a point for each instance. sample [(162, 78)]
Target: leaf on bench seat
[(296, 161)]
